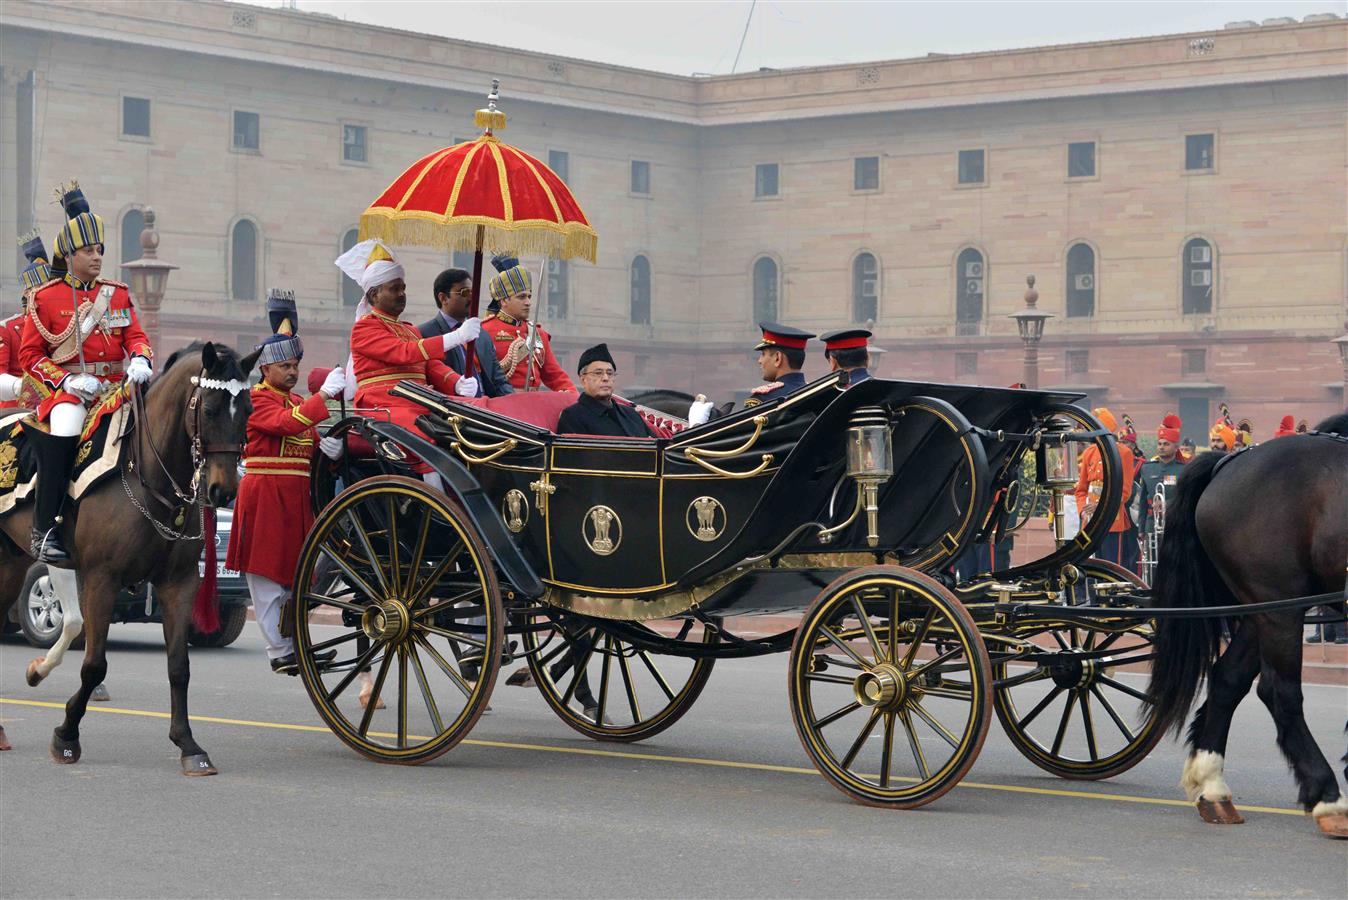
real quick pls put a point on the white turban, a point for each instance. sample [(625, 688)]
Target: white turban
[(369, 264)]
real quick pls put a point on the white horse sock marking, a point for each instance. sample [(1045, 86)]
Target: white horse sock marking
[(65, 584), (1328, 809), (1203, 777)]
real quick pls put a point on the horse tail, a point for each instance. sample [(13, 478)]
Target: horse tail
[(1185, 577)]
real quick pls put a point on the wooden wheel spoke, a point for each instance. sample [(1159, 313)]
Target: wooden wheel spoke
[(451, 635), (1063, 722), (419, 550), (831, 679), (603, 679), (837, 714), (936, 661), (368, 547), (444, 665), (1114, 714), (1083, 700), (375, 694), (1061, 643), (446, 603), (887, 751), (865, 619), (418, 590), (360, 663), (354, 578), (334, 642), (893, 626), (325, 600), (402, 697), (631, 687), (915, 745), (1039, 707), (936, 726), (432, 709), (952, 691), (918, 636), (842, 645), (861, 739), (581, 664), (1120, 686), (394, 560), (1038, 673), (657, 674)]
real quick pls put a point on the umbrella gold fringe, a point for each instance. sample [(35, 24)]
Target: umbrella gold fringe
[(572, 241)]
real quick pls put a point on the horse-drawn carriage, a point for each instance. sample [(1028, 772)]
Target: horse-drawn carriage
[(624, 568)]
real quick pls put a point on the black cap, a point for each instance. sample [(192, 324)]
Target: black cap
[(597, 353), (782, 336), (846, 339)]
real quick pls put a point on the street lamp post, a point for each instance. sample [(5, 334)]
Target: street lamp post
[(1030, 324), (149, 278), (1342, 343)]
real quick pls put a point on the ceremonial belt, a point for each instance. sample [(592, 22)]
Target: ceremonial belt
[(416, 375), (101, 369), (273, 465)]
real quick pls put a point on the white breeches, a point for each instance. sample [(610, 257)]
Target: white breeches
[(268, 598), (67, 419), (66, 586), (10, 385)]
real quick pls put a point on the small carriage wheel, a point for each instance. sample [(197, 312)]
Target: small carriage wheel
[(889, 686), (412, 585), (1076, 718), (628, 693)]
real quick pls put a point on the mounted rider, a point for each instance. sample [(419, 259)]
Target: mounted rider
[(513, 334), (781, 356), (37, 273), (77, 337)]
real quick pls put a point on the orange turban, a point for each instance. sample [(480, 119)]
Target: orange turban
[(1223, 432), (1106, 419)]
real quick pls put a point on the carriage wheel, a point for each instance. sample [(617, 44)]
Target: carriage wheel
[(1075, 717), (617, 692), (401, 587), (889, 685)]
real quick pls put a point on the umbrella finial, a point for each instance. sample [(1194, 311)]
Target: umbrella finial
[(491, 119)]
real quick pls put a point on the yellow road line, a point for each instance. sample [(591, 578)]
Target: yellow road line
[(653, 757)]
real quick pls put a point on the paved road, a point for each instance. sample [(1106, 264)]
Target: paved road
[(733, 809)]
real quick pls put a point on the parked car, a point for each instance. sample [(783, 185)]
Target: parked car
[(38, 613)]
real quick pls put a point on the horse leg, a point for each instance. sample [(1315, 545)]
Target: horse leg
[(1280, 689), (1228, 683), (99, 593), (65, 584), (13, 568), (176, 596)]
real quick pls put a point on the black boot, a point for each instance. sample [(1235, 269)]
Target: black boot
[(56, 458)]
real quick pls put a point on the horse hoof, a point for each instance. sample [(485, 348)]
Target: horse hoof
[(1334, 825), (34, 676), (1220, 812), (65, 752), (521, 677), (365, 700), (100, 694), (198, 764)]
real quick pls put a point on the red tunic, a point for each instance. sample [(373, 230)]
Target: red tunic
[(1091, 483), (504, 330), (272, 513), (51, 320), (385, 351), (11, 337)]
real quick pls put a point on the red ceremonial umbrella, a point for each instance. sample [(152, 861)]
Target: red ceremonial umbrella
[(482, 195)]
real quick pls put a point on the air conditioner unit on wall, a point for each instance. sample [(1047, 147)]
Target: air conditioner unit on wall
[(973, 270), (1201, 278), (1085, 282), (1200, 254), (973, 287)]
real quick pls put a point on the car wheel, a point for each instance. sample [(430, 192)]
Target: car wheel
[(232, 619), (40, 613)]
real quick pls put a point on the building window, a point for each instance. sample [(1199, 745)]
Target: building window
[(865, 288), (866, 173), (765, 289), (641, 291), (135, 117), (559, 161), (1078, 362), (133, 223), (966, 363), (353, 143), (351, 292), (971, 167), (1193, 411), (247, 131), (1198, 152), (765, 180), (1193, 362), (641, 177), (1200, 276), (1080, 281), (1081, 159), (970, 276), (559, 288), (243, 261)]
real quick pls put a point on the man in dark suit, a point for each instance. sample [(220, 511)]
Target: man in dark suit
[(596, 412), (454, 296)]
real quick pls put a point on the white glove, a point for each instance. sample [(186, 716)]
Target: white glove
[(464, 334), (86, 387), (334, 384), (138, 371), (466, 387), (9, 386), (700, 411), (331, 447)]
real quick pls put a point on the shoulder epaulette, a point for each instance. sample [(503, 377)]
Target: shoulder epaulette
[(489, 317), (119, 284), (49, 283)]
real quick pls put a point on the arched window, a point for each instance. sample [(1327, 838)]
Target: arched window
[(641, 291), (865, 288), (1200, 276), (133, 223), (765, 289), (351, 292), (1080, 281), (970, 278), (243, 261)]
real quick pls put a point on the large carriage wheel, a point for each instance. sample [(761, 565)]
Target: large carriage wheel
[(401, 585), (1076, 717), (607, 688), (889, 685)]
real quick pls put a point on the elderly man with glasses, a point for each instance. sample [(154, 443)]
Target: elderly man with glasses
[(596, 412)]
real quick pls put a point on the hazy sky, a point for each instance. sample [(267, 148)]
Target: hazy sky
[(693, 36)]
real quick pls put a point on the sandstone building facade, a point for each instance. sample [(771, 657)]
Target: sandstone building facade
[(1180, 199)]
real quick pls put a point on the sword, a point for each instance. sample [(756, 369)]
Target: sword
[(533, 340)]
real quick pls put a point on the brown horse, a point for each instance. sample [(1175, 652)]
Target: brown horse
[(127, 530), (1264, 524)]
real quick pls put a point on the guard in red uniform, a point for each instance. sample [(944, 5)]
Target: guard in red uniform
[(35, 274), (272, 512), (78, 334), (512, 291)]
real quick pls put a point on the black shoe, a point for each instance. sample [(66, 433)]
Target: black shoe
[(56, 457), (470, 671), (287, 665), (1314, 639), (592, 713)]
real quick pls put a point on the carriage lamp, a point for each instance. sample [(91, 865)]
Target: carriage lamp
[(1056, 469), (870, 463)]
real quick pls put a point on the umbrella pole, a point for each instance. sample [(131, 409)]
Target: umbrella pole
[(471, 358)]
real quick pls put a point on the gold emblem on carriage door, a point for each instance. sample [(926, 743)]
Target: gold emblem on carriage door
[(602, 530), (705, 518), (515, 510)]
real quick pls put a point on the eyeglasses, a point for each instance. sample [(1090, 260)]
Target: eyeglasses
[(600, 373)]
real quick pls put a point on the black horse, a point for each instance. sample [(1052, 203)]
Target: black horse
[(1264, 524)]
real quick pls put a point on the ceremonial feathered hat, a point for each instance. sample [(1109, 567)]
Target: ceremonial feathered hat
[(82, 227), (284, 342), (38, 270), (597, 353), (1170, 429), (1129, 433), (510, 278)]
